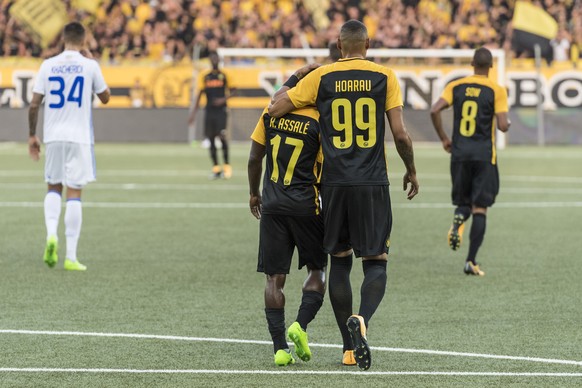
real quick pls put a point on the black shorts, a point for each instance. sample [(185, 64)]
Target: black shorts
[(357, 217), (280, 234), (475, 183), (214, 122)]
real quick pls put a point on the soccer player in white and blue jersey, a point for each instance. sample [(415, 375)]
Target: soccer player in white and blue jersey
[(66, 82)]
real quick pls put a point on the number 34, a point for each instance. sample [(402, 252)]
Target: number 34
[(75, 94)]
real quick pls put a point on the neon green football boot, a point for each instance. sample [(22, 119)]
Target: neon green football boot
[(299, 338), (283, 358), (50, 251), (71, 265)]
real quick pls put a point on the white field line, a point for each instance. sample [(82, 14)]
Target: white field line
[(161, 152), (431, 150), (242, 205), (394, 175), (8, 145), (139, 205), (288, 372), (138, 186), (243, 187), (256, 342), (115, 173)]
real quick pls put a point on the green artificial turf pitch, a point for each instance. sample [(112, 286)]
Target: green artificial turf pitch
[(172, 267)]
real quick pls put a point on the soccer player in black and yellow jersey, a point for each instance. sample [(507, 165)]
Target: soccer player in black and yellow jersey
[(479, 105), (289, 214), (217, 89), (352, 96)]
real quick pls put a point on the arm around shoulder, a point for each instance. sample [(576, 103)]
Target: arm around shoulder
[(280, 105)]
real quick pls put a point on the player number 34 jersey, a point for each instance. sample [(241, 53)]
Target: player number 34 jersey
[(68, 82)]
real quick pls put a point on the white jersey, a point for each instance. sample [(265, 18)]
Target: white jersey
[(67, 82)]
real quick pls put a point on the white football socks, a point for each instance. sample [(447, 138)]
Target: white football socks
[(73, 221), (52, 212)]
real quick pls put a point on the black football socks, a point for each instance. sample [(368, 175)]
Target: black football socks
[(373, 287), (213, 152), (477, 235), (276, 322), (310, 304), (464, 211), (224, 150), (340, 295)]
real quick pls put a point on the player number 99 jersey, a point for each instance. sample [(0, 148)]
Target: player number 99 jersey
[(352, 96)]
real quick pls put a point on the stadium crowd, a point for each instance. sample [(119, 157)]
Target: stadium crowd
[(168, 30)]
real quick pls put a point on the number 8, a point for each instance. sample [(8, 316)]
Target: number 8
[(468, 115)]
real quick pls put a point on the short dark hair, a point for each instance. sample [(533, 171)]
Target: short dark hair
[(482, 58), (353, 31), (74, 33), (334, 52)]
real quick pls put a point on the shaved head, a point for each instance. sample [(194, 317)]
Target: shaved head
[(353, 38), (482, 58), (353, 31)]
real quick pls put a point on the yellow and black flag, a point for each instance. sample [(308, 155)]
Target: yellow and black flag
[(45, 19), (532, 25)]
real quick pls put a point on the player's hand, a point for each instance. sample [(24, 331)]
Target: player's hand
[(410, 178), (219, 101), (255, 203), (447, 145), (34, 148), (86, 53), (302, 72)]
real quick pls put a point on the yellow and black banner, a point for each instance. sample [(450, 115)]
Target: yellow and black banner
[(147, 86), (45, 19), (533, 19), (90, 6), (533, 26)]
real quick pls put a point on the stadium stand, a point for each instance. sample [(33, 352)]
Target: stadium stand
[(167, 30)]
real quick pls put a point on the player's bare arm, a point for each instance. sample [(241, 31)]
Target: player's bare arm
[(503, 122), (86, 53), (437, 122), (221, 101), (404, 147), (281, 103), (255, 169), (194, 110), (33, 140), (104, 96), (299, 73), (303, 71)]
